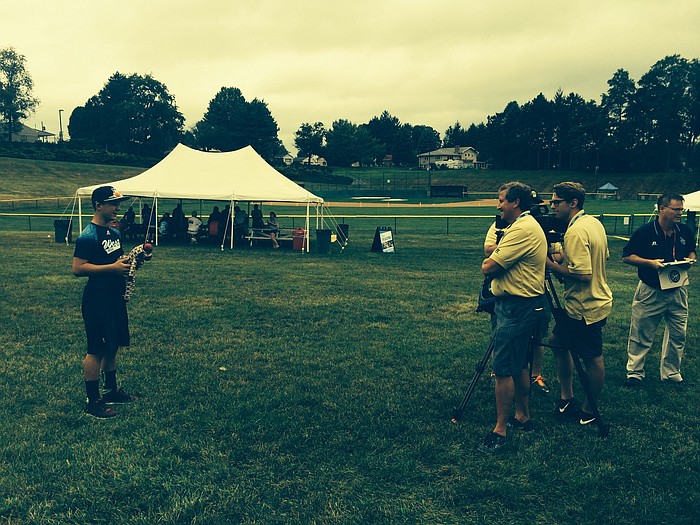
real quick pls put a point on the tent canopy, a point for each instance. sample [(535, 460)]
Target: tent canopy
[(692, 201), (608, 187), (186, 173)]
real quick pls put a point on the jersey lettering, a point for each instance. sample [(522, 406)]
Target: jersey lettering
[(110, 245)]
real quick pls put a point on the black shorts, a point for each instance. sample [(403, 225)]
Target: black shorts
[(587, 339), (106, 321)]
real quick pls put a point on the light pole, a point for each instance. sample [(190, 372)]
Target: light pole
[(60, 126)]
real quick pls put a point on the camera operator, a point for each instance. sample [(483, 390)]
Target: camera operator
[(493, 236), (587, 300), (517, 266), (663, 240)]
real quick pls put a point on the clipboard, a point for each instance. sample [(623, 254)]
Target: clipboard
[(674, 274)]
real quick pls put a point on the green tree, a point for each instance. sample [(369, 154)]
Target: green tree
[(131, 114), (617, 140), (693, 112), (505, 138), (576, 131), (383, 129), (475, 137), (425, 139), (309, 139), (659, 112), (402, 149), (539, 131), (16, 85), (455, 136), (347, 143), (231, 123), (616, 101)]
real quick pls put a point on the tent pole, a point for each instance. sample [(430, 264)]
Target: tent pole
[(80, 211), (157, 226), (230, 216), (306, 226)]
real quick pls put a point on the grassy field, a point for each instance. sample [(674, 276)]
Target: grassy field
[(286, 388), (281, 388), (26, 179)]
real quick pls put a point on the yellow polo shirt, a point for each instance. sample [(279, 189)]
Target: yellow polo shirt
[(491, 237), (586, 252), (523, 253)]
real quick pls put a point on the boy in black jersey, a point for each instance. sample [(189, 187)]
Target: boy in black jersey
[(97, 256)]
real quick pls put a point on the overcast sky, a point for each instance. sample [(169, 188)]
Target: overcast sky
[(430, 62)]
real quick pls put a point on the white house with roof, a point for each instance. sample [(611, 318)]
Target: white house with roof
[(314, 161), (27, 134), (287, 159), (457, 157)]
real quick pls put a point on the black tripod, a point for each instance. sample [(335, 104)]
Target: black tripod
[(561, 319), (479, 369)]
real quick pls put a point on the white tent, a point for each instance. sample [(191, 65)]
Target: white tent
[(609, 187), (185, 173), (692, 201)]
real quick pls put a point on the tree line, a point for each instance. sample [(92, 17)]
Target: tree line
[(649, 125), (645, 126)]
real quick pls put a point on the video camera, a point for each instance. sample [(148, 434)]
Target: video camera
[(553, 228)]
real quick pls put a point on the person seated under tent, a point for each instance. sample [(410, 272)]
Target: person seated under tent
[(194, 224)]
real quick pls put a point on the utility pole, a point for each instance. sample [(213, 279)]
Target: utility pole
[(60, 126)]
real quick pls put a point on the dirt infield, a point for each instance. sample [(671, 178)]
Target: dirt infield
[(383, 204)]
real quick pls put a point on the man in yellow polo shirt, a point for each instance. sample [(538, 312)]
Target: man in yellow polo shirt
[(517, 267), (587, 300)]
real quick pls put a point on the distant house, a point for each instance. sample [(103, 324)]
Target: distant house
[(315, 161), (388, 161), (287, 159), (454, 158), (27, 134)]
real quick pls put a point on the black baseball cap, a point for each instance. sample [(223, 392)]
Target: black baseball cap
[(105, 194)]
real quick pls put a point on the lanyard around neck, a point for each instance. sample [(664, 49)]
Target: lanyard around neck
[(576, 217)]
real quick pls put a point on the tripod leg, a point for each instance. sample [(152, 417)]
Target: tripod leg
[(532, 348), (457, 411)]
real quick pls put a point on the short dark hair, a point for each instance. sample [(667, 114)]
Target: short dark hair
[(569, 191), (666, 199), (518, 190)]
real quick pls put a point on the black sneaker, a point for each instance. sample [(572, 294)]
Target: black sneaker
[(99, 410), (493, 442), (567, 410), (585, 418), (527, 426), (117, 397), (632, 382)]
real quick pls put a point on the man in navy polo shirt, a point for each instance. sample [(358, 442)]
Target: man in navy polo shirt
[(98, 256), (661, 241)]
